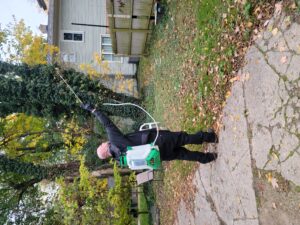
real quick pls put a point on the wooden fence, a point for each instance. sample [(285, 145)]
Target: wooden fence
[(130, 23)]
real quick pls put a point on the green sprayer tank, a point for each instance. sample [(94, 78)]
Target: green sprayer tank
[(141, 157)]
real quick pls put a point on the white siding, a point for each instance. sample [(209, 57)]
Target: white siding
[(87, 12)]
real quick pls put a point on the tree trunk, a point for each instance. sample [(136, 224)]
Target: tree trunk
[(109, 172)]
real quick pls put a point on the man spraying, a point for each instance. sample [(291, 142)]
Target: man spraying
[(170, 144)]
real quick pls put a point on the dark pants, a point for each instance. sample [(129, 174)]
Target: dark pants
[(171, 146)]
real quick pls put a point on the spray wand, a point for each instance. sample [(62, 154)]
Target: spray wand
[(111, 104), (78, 99)]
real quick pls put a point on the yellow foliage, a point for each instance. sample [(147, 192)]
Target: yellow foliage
[(74, 137), (89, 70), (98, 58), (36, 53), (105, 67), (11, 117), (119, 76), (90, 186), (21, 131), (84, 201), (129, 85), (29, 48)]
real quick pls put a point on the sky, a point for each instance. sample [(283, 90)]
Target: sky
[(22, 9)]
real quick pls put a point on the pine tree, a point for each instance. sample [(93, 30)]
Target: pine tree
[(40, 91)]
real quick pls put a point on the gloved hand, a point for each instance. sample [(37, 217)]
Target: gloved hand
[(87, 107)]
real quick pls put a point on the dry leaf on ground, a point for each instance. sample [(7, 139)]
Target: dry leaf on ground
[(236, 78), (227, 94), (278, 8), (272, 180), (274, 183), (275, 31), (266, 23), (283, 59)]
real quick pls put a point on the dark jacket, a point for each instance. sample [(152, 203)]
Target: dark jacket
[(170, 143)]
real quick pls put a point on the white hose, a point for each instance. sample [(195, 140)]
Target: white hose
[(120, 104)]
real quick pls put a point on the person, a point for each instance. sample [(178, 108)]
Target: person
[(170, 144)]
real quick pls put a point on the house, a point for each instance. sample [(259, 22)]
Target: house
[(79, 28), (130, 25)]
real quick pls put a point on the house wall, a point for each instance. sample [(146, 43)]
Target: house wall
[(131, 40), (87, 12)]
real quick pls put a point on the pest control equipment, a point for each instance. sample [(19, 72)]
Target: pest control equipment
[(141, 157)]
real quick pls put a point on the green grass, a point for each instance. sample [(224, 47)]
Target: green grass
[(143, 207), (184, 78)]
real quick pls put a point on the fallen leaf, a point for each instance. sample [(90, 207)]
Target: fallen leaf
[(249, 24), (259, 16), (274, 183), (275, 156), (237, 118), (227, 94), (257, 10), (270, 28), (272, 180), (278, 8), (237, 29), (287, 21), (283, 59), (275, 31), (266, 23), (269, 177), (281, 48), (236, 78), (293, 6)]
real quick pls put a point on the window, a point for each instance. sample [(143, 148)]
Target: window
[(74, 36), (107, 51)]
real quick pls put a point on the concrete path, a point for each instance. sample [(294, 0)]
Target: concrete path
[(259, 147)]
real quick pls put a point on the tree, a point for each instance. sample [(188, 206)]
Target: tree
[(120, 198), (89, 200), (20, 200), (37, 172), (19, 194), (37, 140), (40, 91), (3, 39), (24, 46)]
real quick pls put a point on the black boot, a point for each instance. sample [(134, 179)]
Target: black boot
[(208, 157), (197, 138), (210, 137)]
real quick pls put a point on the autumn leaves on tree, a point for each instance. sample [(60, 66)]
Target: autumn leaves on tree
[(44, 135)]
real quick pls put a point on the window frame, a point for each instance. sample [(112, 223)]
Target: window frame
[(73, 33), (108, 53)]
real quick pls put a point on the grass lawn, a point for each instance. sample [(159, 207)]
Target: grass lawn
[(143, 207), (194, 55)]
